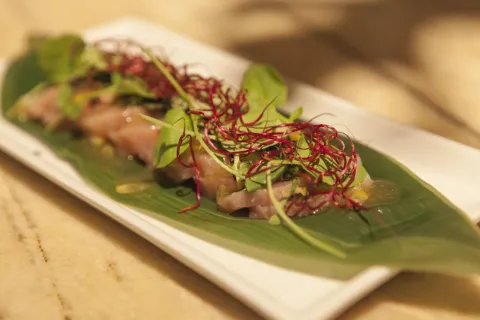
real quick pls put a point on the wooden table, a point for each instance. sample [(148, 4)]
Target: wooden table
[(414, 61)]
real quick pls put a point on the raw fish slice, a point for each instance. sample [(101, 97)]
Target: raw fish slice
[(137, 139)]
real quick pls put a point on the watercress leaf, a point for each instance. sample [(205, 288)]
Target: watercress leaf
[(265, 91), (321, 166), (58, 57), (303, 149), (71, 108), (243, 167), (120, 86), (130, 86), (91, 58), (270, 117), (295, 114), (360, 175), (67, 56), (264, 84), (259, 181), (166, 148)]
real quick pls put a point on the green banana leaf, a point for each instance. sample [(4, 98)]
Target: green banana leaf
[(422, 231)]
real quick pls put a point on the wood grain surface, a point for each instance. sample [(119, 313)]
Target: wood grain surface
[(415, 61)]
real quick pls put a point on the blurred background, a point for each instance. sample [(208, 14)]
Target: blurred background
[(414, 61)]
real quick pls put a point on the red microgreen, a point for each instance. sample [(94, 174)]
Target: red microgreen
[(327, 166)]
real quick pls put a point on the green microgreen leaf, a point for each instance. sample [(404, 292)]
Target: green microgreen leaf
[(91, 57), (130, 86), (360, 175), (60, 56), (70, 106), (265, 91), (192, 104), (166, 148), (264, 85), (296, 114), (258, 181)]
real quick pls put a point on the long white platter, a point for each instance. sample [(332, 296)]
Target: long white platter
[(274, 292)]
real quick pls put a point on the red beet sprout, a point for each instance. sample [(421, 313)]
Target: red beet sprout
[(221, 120)]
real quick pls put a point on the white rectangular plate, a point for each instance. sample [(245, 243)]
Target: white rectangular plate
[(274, 292)]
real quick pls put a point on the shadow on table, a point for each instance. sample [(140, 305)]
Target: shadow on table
[(370, 32), (135, 245)]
